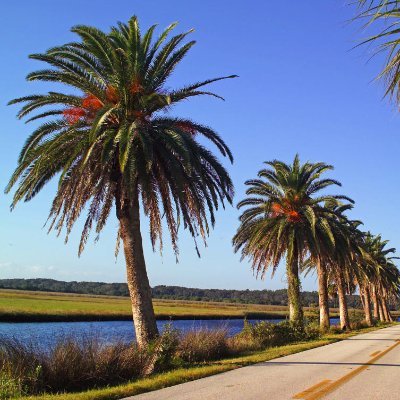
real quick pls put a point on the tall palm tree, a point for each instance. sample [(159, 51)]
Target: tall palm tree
[(286, 216), (112, 144), (345, 264), (337, 261)]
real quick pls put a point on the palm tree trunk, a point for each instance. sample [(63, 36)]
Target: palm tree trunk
[(138, 283), (367, 305), (389, 313), (323, 296), (294, 298), (380, 310), (343, 310), (386, 313), (375, 301)]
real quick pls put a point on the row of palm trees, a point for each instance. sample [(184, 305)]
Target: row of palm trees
[(287, 216)]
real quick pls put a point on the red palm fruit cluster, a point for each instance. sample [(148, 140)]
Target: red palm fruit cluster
[(136, 87), (112, 94), (73, 114), (186, 127), (141, 115), (291, 215), (91, 103), (277, 209)]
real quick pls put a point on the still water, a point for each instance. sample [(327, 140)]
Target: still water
[(47, 333)]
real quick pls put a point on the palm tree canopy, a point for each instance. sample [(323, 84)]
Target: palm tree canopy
[(384, 14), (286, 214), (346, 242), (112, 137), (381, 267)]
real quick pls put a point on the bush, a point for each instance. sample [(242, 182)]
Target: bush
[(335, 329), (265, 334), (163, 351), (203, 345), (313, 317), (357, 320)]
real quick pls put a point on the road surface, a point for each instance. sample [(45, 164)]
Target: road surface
[(364, 367)]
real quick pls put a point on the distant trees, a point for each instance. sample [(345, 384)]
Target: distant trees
[(273, 297)]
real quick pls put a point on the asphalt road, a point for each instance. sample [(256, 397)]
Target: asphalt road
[(364, 367)]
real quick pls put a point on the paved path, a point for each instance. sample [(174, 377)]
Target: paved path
[(364, 367)]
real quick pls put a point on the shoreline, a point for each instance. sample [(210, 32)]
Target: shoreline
[(26, 318), (36, 318)]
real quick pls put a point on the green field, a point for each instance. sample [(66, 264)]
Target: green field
[(17, 305)]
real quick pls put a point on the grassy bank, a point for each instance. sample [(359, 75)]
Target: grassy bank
[(25, 306), (181, 375)]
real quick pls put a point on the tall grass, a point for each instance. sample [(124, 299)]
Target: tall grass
[(76, 364), (70, 364), (203, 345)]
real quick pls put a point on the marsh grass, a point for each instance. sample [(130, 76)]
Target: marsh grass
[(70, 364), (200, 345)]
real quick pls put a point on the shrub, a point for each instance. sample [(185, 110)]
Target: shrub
[(265, 334), (163, 351), (203, 345), (357, 320), (313, 316), (335, 329)]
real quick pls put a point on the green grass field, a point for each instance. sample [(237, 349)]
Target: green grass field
[(17, 305)]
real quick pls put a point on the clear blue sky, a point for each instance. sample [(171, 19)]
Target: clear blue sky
[(301, 89)]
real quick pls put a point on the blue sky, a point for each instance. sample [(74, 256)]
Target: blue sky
[(301, 89)]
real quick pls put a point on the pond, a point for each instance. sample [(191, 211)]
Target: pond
[(47, 333)]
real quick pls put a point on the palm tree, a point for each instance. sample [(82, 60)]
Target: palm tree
[(385, 15), (365, 273), (285, 216), (112, 144), (346, 266), (384, 277), (332, 258), (363, 280), (338, 260)]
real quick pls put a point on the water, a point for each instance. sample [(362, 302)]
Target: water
[(47, 333)]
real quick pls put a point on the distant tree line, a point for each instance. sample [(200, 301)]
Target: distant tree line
[(272, 297)]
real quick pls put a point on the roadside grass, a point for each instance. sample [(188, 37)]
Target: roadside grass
[(181, 375), (27, 306)]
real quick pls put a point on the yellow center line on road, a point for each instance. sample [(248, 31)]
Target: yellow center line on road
[(318, 391), (312, 389)]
